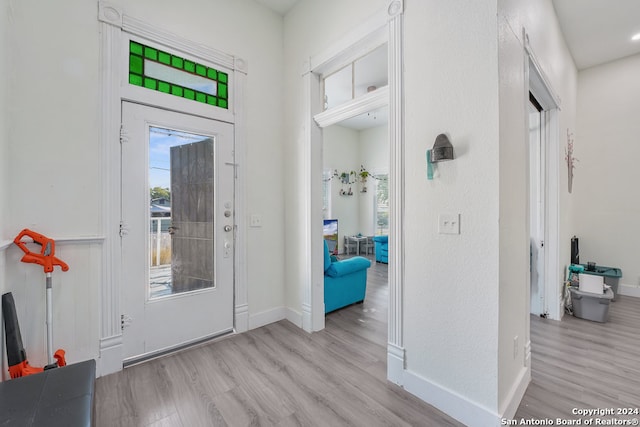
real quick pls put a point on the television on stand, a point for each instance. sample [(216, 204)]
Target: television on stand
[(330, 231)]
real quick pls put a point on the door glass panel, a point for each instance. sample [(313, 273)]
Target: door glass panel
[(181, 182)]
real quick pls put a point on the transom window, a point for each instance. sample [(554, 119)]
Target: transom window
[(161, 71)]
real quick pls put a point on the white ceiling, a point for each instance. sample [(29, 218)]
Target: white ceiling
[(596, 31), (599, 31)]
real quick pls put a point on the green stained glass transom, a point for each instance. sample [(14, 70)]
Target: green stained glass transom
[(161, 71)]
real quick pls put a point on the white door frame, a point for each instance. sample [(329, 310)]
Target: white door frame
[(386, 25), (539, 85), (115, 27)]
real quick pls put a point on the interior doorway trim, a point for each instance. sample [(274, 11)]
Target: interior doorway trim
[(363, 104), (384, 26), (539, 85), (115, 26)]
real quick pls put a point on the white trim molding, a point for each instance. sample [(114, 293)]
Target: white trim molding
[(395, 363), (362, 104), (395, 334), (539, 85), (4, 244), (266, 317), (241, 321), (455, 405), (110, 346), (111, 355), (540, 82), (241, 295), (629, 290), (516, 394)]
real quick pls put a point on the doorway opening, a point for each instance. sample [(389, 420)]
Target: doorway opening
[(359, 207), (545, 293), (537, 197), (385, 27)]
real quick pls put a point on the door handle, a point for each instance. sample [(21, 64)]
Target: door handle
[(227, 228), (172, 229)]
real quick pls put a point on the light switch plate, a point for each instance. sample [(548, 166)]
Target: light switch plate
[(449, 224)]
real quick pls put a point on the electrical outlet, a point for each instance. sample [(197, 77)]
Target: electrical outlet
[(449, 224), (256, 220)]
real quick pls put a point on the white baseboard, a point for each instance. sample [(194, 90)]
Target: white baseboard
[(294, 317), (265, 317), (516, 394), (242, 318), (307, 321), (449, 402), (629, 290), (111, 356), (395, 363)]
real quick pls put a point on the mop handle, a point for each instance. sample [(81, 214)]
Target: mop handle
[(46, 256)]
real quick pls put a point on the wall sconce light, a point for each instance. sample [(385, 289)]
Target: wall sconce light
[(442, 150)]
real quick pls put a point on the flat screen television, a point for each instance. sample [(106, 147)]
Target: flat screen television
[(330, 231)]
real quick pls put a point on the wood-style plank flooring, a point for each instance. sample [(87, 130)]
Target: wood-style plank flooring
[(279, 375), (577, 363)]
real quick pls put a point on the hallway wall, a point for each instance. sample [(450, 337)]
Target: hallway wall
[(4, 144), (606, 208), (545, 38)]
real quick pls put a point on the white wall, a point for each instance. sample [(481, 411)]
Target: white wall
[(451, 281), (4, 154), (5, 25), (55, 158), (547, 42), (606, 206), (341, 152), (374, 155)]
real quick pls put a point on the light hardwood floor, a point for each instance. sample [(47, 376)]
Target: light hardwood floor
[(577, 363), (277, 375), (280, 375)]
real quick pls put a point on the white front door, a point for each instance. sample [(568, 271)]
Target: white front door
[(178, 229), (537, 197)]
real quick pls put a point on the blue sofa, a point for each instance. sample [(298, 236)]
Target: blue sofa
[(382, 248), (345, 282)]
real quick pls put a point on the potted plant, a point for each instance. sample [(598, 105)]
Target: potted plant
[(345, 177), (364, 174)]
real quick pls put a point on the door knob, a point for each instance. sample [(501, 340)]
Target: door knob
[(227, 228)]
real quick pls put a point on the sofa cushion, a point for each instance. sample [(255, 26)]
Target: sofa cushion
[(381, 239), (340, 268)]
